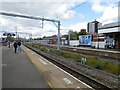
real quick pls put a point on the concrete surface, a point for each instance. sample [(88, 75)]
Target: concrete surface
[(56, 77), (19, 72)]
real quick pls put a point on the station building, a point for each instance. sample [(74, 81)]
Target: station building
[(92, 27), (111, 31), (104, 36)]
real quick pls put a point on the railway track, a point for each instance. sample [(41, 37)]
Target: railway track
[(88, 80), (94, 52)]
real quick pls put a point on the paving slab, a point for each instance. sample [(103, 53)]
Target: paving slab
[(19, 72)]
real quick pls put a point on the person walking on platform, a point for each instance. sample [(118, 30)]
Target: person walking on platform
[(15, 46), (19, 46)]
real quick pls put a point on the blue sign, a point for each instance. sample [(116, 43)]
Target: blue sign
[(8, 34), (85, 40)]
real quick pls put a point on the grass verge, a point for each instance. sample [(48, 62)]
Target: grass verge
[(90, 60)]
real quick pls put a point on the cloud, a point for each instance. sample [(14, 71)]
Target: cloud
[(109, 14), (100, 5), (47, 9), (51, 9), (82, 16), (8, 24), (68, 1), (3, 21), (97, 7), (70, 14), (108, 9), (77, 27), (41, 8), (49, 29)]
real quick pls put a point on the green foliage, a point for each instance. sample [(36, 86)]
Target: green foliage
[(112, 68), (98, 67), (75, 35), (91, 61), (103, 65), (81, 33), (66, 54), (65, 36), (10, 38), (37, 38)]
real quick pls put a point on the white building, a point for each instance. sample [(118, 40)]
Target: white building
[(111, 31)]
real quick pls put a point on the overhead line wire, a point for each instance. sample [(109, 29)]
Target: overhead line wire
[(73, 8)]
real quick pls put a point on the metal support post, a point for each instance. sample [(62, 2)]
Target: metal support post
[(31, 38), (16, 33), (69, 32), (58, 48), (36, 18), (69, 39), (8, 41)]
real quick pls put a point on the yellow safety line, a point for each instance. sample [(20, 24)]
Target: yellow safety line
[(50, 85)]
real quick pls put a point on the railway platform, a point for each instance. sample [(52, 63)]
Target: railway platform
[(57, 77), (30, 70), (19, 72)]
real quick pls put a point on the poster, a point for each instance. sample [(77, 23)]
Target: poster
[(85, 40)]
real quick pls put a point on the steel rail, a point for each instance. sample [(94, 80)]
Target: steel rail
[(93, 83)]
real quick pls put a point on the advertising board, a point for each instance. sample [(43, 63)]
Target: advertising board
[(85, 40)]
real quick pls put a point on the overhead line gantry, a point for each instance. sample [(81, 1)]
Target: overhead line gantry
[(37, 18)]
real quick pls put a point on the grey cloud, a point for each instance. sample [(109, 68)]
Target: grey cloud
[(40, 8), (31, 8)]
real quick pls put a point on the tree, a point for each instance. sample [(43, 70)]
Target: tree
[(38, 38), (44, 37), (11, 39), (82, 32), (65, 36), (73, 35)]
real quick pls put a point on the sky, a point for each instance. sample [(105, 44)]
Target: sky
[(72, 14)]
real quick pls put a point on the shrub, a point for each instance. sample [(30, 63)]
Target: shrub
[(98, 67)]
